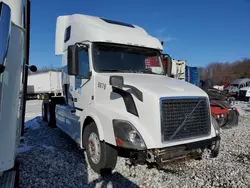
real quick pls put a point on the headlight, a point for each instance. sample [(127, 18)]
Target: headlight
[(216, 126), (127, 136)]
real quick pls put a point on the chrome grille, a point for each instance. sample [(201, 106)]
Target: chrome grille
[(183, 118)]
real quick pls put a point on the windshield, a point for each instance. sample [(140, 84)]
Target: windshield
[(126, 59)]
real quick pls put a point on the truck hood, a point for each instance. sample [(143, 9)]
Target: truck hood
[(159, 85), (153, 88)]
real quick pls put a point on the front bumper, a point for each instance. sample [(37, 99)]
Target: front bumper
[(190, 150)]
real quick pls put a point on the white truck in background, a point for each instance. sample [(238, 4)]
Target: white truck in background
[(244, 93), (44, 83), (14, 64), (236, 85), (113, 104), (178, 69)]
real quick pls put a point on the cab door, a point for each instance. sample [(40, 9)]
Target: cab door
[(80, 90)]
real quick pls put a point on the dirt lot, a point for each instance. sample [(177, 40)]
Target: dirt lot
[(49, 158)]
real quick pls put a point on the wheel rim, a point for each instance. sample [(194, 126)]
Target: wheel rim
[(94, 148)]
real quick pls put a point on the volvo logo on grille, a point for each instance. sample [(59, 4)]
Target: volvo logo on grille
[(185, 120), (188, 115)]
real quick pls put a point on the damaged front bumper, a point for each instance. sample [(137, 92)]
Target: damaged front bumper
[(161, 156), (191, 150)]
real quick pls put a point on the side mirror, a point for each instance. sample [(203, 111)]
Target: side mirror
[(5, 23), (2, 68), (116, 81), (73, 67), (33, 68), (169, 65), (72, 59)]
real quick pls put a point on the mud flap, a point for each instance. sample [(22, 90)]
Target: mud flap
[(233, 119)]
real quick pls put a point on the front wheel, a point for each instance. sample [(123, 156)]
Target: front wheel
[(102, 157), (215, 150)]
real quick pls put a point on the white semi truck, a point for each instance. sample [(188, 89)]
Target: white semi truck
[(14, 58), (114, 105), (244, 93), (44, 83)]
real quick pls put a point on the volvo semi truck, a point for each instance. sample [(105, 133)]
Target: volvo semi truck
[(114, 104), (14, 66)]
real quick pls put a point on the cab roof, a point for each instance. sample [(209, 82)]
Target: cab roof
[(71, 29)]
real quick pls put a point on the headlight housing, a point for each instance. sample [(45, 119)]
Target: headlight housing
[(127, 136), (216, 126)]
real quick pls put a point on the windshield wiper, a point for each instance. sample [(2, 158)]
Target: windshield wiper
[(110, 70), (116, 70), (147, 72)]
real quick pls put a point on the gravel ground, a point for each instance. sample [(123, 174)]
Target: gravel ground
[(49, 158)]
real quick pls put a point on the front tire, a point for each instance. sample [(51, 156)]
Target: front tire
[(215, 150), (102, 157)]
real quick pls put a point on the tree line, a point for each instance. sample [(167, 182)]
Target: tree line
[(222, 72)]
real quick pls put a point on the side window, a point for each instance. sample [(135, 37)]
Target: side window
[(67, 34), (83, 63)]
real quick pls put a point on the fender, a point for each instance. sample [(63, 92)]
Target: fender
[(101, 115), (105, 129)]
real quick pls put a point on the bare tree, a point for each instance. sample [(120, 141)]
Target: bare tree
[(221, 72)]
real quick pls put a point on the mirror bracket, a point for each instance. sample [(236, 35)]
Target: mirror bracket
[(118, 82), (82, 46), (168, 68)]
